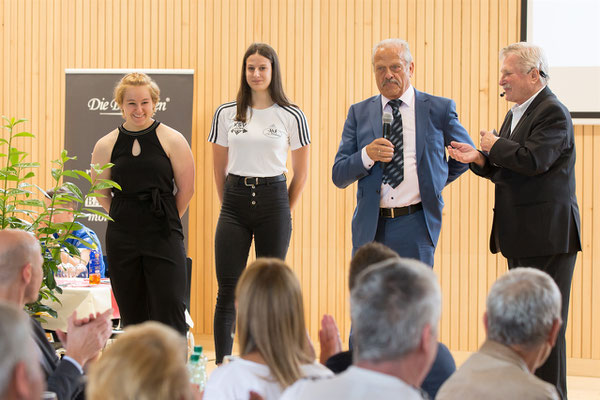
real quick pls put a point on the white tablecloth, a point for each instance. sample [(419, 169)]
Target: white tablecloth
[(77, 295)]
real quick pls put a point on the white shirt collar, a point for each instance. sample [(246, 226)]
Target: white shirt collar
[(520, 109), (407, 98)]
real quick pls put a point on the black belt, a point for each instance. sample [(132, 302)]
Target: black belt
[(254, 181), (400, 211)]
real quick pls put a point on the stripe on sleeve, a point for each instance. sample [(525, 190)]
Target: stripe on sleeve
[(212, 136), (302, 124)]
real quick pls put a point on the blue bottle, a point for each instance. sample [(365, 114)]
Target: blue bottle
[(94, 267)]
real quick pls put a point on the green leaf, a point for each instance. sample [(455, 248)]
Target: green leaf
[(99, 213), (71, 248), (32, 202), (84, 175), (19, 121), (24, 134), (27, 165), (75, 189), (71, 174), (56, 173), (107, 183)]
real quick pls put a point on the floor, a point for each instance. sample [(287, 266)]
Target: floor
[(579, 387)]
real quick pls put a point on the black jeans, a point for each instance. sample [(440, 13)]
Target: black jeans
[(262, 212)]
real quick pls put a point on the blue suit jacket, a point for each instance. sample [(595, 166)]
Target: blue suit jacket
[(436, 124)]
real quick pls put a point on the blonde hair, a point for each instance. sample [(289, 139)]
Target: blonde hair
[(136, 79), (271, 318), (147, 362)]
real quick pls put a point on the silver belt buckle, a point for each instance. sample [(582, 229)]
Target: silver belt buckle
[(250, 184)]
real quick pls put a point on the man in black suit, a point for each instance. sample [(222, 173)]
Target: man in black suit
[(20, 280), (531, 162)]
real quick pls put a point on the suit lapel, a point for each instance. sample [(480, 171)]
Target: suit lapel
[(48, 358), (421, 116), (538, 99), (376, 112), (505, 128)]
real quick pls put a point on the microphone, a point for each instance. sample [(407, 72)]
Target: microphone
[(502, 94), (386, 120)]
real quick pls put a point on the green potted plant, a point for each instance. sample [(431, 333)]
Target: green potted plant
[(22, 207)]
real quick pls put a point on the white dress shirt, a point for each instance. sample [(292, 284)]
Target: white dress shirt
[(519, 110), (407, 192)]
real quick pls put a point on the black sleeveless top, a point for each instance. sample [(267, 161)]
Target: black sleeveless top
[(146, 202)]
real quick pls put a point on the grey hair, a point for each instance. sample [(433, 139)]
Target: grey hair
[(391, 304), (16, 343), (394, 43), (15, 252), (522, 306), (530, 56)]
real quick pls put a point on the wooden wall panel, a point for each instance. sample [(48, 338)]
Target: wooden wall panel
[(325, 51)]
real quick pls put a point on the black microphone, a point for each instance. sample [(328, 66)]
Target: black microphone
[(386, 120), (502, 94)]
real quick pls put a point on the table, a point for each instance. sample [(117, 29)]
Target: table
[(79, 295)]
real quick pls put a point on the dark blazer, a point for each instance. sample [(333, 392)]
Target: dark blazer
[(63, 377), (535, 211), (436, 125)]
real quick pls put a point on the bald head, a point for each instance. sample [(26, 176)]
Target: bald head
[(20, 262)]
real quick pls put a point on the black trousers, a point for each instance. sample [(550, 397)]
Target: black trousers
[(262, 212), (560, 268), (148, 276)]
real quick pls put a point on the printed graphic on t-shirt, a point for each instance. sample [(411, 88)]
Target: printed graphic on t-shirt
[(272, 132), (239, 127)]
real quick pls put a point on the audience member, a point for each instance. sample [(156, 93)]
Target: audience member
[(84, 238), (395, 310), (522, 323), (331, 350), (20, 374), (274, 347), (147, 362), (20, 280)]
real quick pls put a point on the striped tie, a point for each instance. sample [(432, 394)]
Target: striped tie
[(393, 174)]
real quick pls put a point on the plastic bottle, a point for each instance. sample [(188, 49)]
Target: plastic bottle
[(94, 267), (195, 372), (202, 361), (83, 271)]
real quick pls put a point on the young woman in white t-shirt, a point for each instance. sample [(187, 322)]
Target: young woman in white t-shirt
[(274, 347), (251, 138)]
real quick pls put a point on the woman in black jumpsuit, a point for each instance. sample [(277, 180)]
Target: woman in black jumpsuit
[(144, 244)]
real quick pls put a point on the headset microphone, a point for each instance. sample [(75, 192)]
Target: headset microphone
[(502, 94)]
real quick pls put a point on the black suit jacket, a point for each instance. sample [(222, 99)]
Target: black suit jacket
[(63, 377), (535, 212)]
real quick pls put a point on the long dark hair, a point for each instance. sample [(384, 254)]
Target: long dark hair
[(244, 96)]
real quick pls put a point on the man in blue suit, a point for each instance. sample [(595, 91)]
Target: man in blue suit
[(400, 178)]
